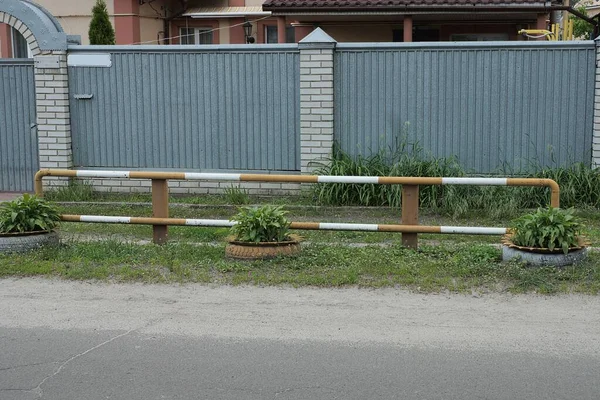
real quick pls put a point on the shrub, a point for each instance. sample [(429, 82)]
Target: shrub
[(28, 214), (261, 224), (548, 228), (101, 30)]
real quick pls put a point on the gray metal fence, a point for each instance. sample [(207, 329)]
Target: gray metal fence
[(188, 107), (18, 138), (492, 105)]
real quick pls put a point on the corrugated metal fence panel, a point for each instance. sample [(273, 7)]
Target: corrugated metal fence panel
[(18, 137), (185, 108), (497, 105)]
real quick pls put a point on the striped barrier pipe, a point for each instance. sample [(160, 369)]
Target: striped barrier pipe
[(294, 225), (381, 180)]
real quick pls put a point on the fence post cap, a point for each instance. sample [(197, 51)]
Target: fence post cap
[(317, 38)]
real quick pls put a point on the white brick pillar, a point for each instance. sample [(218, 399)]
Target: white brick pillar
[(52, 109), (596, 134), (316, 98)]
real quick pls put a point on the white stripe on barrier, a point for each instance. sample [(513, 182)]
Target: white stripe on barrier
[(209, 222), (201, 176), (475, 181), (347, 179), (102, 174), (347, 227), (105, 219), (467, 230)]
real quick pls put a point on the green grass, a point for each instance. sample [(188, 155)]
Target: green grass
[(452, 267)]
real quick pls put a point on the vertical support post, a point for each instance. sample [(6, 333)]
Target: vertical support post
[(408, 28), (410, 214), (160, 209), (280, 29)]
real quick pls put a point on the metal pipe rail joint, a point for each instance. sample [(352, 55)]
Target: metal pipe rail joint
[(409, 228)]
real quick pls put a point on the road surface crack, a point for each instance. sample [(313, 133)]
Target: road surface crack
[(38, 389)]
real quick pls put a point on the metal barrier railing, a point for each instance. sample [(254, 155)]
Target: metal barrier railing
[(409, 228)]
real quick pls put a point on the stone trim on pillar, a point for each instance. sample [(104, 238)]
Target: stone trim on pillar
[(52, 110), (596, 129), (316, 98)]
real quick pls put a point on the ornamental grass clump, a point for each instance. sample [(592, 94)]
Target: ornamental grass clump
[(28, 214), (261, 224), (551, 228)]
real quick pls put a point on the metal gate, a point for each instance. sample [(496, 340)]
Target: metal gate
[(18, 134), (187, 107)]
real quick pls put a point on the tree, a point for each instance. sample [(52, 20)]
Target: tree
[(101, 30), (581, 28)]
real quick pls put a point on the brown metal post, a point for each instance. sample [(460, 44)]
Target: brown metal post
[(160, 209), (410, 214)]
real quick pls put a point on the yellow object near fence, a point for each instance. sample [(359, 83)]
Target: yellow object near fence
[(554, 34), (410, 200)]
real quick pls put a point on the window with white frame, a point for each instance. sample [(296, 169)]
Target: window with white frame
[(196, 35)]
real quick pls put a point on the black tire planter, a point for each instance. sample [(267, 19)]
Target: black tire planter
[(543, 257), (23, 242)]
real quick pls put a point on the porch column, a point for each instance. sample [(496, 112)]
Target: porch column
[(280, 29), (408, 28), (541, 21), (596, 128), (127, 21), (5, 42), (316, 98), (302, 31)]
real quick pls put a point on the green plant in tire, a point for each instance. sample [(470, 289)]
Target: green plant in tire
[(28, 214), (261, 224), (550, 228)]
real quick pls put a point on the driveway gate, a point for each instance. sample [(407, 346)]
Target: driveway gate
[(18, 136)]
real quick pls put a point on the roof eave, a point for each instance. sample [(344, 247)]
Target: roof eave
[(541, 7)]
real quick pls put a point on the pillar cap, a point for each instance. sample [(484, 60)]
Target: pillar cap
[(317, 39)]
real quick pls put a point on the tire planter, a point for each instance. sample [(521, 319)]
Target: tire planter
[(262, 250), (22, 242), (541, 256)]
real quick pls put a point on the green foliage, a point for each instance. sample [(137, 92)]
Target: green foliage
[(581, 28), (261, 224), (74, 191), (236, 195), (579, 184), (101, 31), (28, 214), (549, 228)]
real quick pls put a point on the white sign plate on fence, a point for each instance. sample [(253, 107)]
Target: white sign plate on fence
[(46, 62), (89, 60)]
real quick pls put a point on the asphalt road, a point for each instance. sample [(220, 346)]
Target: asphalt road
[(61, 340)]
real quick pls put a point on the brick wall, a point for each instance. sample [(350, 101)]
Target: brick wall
[(316, 99)]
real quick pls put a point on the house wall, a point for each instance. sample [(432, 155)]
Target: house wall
[(75, 16), (368, 33)]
